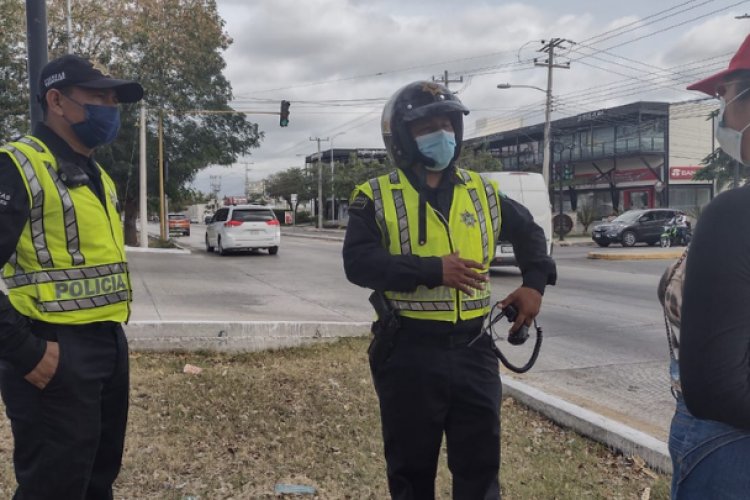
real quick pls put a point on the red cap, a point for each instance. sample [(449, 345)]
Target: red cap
[(740, 60)]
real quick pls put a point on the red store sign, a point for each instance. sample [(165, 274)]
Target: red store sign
[(682, 173)]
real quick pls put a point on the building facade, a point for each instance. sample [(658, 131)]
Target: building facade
[(639, 155)]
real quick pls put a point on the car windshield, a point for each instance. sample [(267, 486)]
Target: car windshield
[(630, 216), (177, 216), (252, 215)]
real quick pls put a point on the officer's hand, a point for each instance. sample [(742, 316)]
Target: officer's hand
[(459, 273), (527, 301), (46, 368)]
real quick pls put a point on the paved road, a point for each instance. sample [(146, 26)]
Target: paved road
[(604, 349)]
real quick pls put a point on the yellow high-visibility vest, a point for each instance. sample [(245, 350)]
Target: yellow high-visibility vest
[(473, 230), (69, 266)]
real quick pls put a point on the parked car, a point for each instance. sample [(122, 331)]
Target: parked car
[(178, 224), (243, 227), (634, 226)]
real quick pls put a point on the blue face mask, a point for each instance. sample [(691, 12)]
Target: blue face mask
[(100, 125), (439, 146)]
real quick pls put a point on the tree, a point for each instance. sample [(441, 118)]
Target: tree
[(288, 182), (479, 160), (720, 167), (174, 49), (358, 170), (14, 92), (586, 216)]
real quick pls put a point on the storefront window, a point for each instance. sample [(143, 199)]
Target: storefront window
[(652, 135), (689, 198), (603, 139), (601, 200)]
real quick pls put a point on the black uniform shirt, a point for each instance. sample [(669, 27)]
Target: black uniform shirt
[(715, 327), (368, 264), (17, 345)]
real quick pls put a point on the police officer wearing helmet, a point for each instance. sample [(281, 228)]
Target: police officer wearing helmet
[(63, 352), (422, 237)]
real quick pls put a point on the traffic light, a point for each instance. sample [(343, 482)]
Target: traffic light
[(284, 114)]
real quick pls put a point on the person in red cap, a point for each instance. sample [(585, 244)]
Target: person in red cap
[(709, 437), (63, 353)]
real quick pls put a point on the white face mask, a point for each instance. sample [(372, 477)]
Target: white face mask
[(729, 139)]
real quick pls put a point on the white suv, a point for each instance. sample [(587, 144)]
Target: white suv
[(243, 227)]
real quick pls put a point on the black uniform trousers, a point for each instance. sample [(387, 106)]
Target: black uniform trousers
[(434, 383), (69, 437)]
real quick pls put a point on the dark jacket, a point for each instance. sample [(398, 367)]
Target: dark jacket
[(368, 264), (715, 329)]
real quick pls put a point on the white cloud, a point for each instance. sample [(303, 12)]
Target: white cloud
[(292, 46)]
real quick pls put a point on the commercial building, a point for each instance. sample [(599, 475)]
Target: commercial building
[(639, 155)]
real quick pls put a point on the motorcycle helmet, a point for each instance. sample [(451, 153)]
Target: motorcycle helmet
[(416, 100)]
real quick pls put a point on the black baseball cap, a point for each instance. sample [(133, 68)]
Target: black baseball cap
[(70, 70)]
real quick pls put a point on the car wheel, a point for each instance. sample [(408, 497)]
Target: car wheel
[(273, 250), (604, 244), (209, 248), (222, 251), (628, 239), (187, 234)]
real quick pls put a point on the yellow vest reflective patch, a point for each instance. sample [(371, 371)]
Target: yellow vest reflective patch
[(89, 288)]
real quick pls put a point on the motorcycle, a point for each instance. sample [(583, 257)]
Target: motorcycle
[(674, 235)]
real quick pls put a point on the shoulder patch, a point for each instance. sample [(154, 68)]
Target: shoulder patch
[(359, 202)]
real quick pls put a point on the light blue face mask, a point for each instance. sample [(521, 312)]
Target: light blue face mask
[(439, 146)]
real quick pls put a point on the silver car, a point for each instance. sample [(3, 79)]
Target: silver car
[(243, 227)]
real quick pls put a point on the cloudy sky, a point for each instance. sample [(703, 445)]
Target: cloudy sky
[(338, 61)]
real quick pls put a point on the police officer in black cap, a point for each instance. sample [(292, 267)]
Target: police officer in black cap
[(63, 352), (422, 237)]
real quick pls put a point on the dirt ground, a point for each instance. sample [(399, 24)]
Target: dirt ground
[(309, 417)]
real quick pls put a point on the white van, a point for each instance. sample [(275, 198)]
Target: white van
[(528, 189)]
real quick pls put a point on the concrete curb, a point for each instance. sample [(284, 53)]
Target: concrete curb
[(625, 439), (179, 250), (313, 236), (666, 255), (236, 336)]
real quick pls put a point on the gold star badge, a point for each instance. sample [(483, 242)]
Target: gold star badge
[(432, 88), (468, 218)]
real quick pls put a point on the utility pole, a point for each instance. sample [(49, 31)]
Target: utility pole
[(36, 41), (163, 228), (247, 186), (215, 188), (70, 29), (320, 181), (142, 207), (549, 47), (446, 81)]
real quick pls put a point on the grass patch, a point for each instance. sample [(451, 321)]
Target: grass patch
[(310, 416), (156, 242)]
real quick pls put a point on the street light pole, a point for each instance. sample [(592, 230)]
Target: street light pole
[(333, 191), (320, 181)]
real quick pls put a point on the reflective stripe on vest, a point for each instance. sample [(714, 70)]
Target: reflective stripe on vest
[(69, 216), (37, 204), (485, 219)]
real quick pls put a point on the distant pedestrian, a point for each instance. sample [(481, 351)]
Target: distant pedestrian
[(709, 438), (63, 352)]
